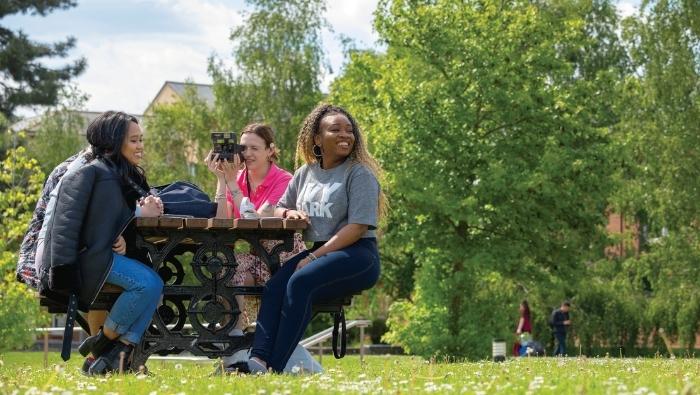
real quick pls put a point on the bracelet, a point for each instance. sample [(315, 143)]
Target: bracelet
[(284, 213), (220, 196), (314, 257)]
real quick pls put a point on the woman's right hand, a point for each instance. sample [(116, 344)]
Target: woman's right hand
[(214, 165), (294, 214)]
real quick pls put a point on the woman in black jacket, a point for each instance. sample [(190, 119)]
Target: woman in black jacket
[(85, 246)]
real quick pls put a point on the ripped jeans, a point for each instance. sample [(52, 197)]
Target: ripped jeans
[(289, 296)]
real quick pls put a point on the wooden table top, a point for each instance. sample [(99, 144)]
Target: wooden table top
[(170, 223)]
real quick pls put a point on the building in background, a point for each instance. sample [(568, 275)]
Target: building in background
[(172, 92)]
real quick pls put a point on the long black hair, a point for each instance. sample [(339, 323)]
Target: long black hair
[(526, 309), (106, 134)]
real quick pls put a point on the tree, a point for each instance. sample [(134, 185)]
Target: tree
[(60, 133), (660, 130), (279, 62), (20, 185), (24, 80), (498, 160), (177, 139)]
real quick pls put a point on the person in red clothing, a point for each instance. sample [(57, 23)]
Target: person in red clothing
[(524, 326)]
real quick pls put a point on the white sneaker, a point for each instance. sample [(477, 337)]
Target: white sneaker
[(235, 332)]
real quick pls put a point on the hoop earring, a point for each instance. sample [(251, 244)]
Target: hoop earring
[(318, 154)]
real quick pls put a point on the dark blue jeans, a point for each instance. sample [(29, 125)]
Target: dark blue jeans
[(561, 343), (288, 297)]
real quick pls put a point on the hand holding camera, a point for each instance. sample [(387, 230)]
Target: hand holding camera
[(226, 158), (223, 169)]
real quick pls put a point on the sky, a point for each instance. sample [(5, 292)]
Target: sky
[(133, 46)]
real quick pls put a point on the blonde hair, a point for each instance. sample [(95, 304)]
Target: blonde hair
[(359, 154)]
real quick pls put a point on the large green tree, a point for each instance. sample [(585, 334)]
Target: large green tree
[(279, 62), (25, 79), (486, 116), (660, 130)]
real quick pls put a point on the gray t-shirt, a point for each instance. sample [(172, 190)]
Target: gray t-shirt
[(345, 194)]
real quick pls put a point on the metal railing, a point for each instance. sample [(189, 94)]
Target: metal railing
[(320, 337)]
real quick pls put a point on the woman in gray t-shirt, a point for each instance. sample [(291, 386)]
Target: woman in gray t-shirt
[(337, 192)]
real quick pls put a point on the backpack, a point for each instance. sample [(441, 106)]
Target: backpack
[(185, 198), (26, 271), (532, 348), (552, 317), (181, 198)]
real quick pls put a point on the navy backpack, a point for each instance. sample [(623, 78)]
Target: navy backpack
[(186, 199)]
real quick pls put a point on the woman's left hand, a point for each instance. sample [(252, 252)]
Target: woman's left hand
[(230, 169), (303, 263), (151, 206)]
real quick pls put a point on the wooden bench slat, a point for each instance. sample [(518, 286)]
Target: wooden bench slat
[(111, 288), (295, 224), (241, 223), (271, 223), (170, 223), (220, 223), (147, 222), (196, 223)]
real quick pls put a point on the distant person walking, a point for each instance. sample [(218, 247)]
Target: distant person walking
[(560, 322), (524, 328)]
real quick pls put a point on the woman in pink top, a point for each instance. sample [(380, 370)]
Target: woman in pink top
[(263, 182)]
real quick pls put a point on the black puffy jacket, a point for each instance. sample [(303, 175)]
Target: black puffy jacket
[(91, 212)]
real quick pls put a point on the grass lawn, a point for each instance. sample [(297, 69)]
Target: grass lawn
[(23, 373)]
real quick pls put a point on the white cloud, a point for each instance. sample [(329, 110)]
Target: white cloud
[(352, 19), (213, 20), (125, 71), (627, 7)]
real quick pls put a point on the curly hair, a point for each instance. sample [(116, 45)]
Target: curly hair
[(359, 154)]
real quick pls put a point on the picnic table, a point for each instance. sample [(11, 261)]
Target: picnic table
[(206, 298)]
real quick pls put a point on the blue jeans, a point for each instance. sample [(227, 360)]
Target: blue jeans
[(561, 343), (289, 295), (133, 310)]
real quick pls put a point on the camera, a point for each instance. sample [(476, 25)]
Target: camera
[(225, 145)]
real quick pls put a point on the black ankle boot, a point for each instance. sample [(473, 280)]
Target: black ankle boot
[(97, 345), (86, 365), (86, 346), (109, 361)]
